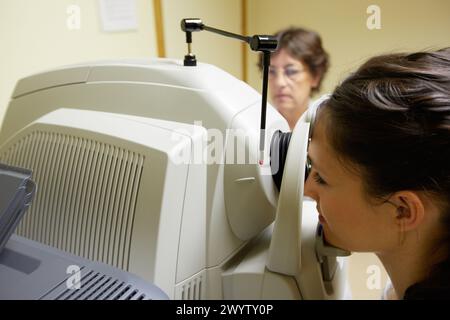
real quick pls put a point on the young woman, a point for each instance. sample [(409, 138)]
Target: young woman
[(380, 155)]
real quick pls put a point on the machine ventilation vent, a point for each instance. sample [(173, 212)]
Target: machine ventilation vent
[(86, 198), (192, 289), (98, 286)]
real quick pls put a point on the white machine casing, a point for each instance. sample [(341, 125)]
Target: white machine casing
[(201, 229)]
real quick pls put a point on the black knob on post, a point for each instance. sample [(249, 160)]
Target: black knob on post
[(263, 43), (191, 25), (190, 60)]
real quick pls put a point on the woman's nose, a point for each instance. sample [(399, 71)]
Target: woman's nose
[(280, 80), (277, 78)]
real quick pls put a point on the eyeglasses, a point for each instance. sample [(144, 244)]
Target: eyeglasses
[(290, 73)]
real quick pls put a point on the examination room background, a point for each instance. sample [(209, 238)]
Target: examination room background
[(36, 35)]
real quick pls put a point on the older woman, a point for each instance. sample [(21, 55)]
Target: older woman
[(296, 71)]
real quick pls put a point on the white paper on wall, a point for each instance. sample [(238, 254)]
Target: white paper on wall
[(118, 15)]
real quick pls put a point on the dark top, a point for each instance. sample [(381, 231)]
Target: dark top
[(436, 287), (420, 292)]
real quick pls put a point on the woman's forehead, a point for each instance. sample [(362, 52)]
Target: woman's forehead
[(283, 56), (319, 146), (320, 149)]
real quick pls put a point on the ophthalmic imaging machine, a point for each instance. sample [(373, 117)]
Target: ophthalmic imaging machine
[(170, 171)]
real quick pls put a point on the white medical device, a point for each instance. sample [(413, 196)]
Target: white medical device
[(151, 166)]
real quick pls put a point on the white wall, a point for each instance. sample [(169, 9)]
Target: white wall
[(34, 37), (208, 47)]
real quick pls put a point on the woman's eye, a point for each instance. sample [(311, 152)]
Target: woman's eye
[(273, 72), (290, 72), (319, 179)]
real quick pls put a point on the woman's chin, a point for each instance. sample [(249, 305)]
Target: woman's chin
[(329, 239), (286, 106)]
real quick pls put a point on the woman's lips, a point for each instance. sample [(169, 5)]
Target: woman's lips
[(283, 97), (321, 219)]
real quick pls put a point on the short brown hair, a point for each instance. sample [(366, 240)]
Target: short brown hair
[(306, 46)]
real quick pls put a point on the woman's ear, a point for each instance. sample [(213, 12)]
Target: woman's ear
[(315, 82), (410, 209)]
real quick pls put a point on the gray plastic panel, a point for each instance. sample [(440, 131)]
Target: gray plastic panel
[(17, 191), (31, 271)]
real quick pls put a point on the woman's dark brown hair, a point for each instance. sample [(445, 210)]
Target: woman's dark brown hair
[(305, 46), (391, 118)]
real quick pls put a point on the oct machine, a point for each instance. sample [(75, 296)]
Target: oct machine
[(154, 168)]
